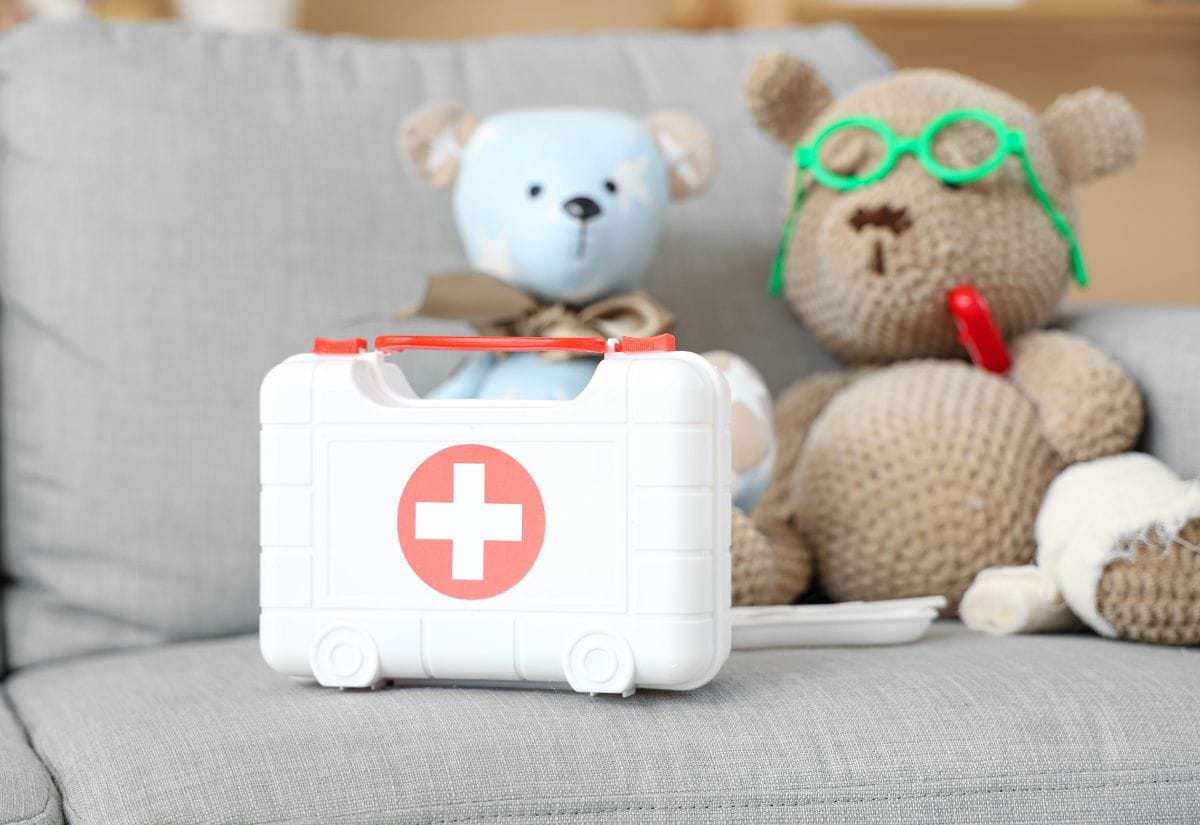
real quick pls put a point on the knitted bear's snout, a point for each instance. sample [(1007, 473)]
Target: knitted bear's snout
[(884, 216)]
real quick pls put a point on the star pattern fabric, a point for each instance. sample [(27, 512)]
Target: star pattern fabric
[(630, 178), (492, 256), (678, 158), (484, 135), (443, 148)]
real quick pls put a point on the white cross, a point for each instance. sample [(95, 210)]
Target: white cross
[(679, 158), (492, 255), (630, 177), (443, 148), (468, 521)]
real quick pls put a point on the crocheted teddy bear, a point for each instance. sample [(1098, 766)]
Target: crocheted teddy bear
[(560, 211), (913, 470)]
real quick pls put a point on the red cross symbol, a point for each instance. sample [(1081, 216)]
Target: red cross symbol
[(471, 521)]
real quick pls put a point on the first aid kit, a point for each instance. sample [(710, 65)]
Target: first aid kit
[(583, 542)]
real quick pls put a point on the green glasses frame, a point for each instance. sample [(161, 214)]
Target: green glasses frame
[(807, 157)]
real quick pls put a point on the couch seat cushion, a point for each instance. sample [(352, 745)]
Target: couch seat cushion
[(27, 794), (958, 727)]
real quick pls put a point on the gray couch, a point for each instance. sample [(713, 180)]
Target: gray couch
[(180, 210)]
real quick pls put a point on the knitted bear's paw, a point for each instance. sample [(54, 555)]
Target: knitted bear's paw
[(770, 566), (754, 572), (1121, 537), (1152, 592)]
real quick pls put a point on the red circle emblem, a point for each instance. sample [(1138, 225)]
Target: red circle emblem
[(471, 521)]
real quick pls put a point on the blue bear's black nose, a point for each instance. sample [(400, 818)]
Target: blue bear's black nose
[(583, 209)]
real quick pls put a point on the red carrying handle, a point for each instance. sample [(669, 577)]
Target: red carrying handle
[(495, 343), (490, 343), (505, 343)]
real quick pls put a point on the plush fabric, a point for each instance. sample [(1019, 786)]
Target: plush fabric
[(924, 470), (563, 208), (181, 209), (1152, 594), (27, 794), (960, 727), (868, 269)]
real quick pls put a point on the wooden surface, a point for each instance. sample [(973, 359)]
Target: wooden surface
[(455, 19)]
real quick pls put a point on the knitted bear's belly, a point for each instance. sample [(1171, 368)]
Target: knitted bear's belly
[(916, 477)]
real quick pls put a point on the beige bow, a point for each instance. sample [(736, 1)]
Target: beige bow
[(496, 307)]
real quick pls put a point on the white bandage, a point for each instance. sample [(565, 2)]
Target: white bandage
[(1005, 600)]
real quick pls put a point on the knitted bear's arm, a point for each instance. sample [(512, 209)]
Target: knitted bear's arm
[(1088, 406), (795, 412)]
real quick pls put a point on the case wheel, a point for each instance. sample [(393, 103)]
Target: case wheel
[(345, 657), (599, 662)]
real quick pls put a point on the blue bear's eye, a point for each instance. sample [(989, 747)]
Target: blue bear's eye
[(610, 187), (535, 190)]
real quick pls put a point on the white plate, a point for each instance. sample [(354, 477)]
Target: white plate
[(896, 621)]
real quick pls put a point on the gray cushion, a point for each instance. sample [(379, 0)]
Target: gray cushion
[(1160, 348), (180, 210), (959, 727), (27, 794)]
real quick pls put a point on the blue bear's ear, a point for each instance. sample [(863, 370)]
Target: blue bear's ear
[(686, 149), (432, 141)]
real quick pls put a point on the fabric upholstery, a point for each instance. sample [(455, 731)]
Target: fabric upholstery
[(958, 727), (27, 794), (1160, 347), (182, 209)]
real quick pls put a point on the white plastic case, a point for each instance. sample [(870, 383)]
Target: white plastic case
[(584, 542)]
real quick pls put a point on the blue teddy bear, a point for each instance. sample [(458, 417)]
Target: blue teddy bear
[(560, 211)]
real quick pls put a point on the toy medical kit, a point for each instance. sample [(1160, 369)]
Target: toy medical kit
[(808, 157), (582, 541)]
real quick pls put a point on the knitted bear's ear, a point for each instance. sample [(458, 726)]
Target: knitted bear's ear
[(433, 139), (1093, 133), (685, 147), (785, 95)]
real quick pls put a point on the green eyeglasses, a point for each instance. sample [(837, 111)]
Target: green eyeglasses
[(808, 157)]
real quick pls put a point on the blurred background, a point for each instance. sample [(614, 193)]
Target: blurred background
[(1149, 50)]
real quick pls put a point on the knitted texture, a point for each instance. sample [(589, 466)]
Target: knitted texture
[(754, 571), (874, 290), (1110, 142), (794, 413), (917, 477), (910, 479), (784, 94), (1154, 594), (1087, 404)]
